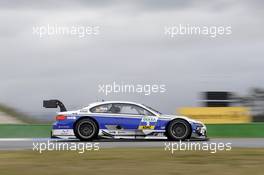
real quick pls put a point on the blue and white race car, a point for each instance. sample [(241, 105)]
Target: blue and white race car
[(122, 120)]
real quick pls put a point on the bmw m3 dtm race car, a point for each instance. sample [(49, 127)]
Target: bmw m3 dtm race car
[(121, 120)]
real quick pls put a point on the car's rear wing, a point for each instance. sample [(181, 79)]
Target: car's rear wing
[(54, 104)]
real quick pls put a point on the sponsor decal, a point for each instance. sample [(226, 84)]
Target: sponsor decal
[(146, 127), (148, 122), (71, 117)]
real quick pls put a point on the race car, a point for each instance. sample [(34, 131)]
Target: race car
[(122, 120)]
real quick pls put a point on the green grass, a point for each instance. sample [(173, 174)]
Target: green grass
[(24, 130), (250, 130), (133, 161)]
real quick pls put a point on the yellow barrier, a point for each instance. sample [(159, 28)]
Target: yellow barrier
[(217, 114)]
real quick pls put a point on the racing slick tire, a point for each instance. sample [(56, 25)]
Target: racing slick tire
[(178, 129), (86, 129)]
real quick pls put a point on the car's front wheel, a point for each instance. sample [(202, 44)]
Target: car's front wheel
[(178, 129), (86, 129)]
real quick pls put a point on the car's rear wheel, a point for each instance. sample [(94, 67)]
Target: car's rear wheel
[(178, 129), (86, 129)]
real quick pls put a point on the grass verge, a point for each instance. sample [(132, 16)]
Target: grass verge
[(24, 130), (246, 130), (133, 161)]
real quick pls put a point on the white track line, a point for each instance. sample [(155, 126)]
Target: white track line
[(15, 139), (25, 139)]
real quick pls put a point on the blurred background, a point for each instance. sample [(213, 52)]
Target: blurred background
[(218, 80), (130, 48)]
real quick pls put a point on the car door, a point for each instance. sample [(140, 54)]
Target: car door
[(134, 117), (123, 118), (127, 115), (117, 116)]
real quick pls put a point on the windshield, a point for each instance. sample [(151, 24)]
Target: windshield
[(152, 109)]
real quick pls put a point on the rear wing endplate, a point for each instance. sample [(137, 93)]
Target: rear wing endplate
[(54, 104)]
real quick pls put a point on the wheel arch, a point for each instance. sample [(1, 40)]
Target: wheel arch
[(85, 117), (181, 119)]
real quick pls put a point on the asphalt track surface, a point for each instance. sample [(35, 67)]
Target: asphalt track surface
[(27, 143)]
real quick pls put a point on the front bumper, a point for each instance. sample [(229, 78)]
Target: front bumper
[(199, 131)]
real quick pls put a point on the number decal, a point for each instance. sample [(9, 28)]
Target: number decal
[(148, 122)]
